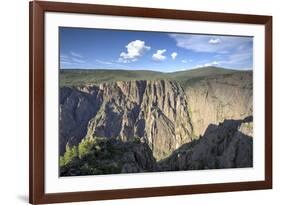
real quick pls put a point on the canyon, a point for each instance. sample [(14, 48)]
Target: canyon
[(199, 119)]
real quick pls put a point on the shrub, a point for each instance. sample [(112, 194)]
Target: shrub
[(136, 139), (69, 155), (84, 148)]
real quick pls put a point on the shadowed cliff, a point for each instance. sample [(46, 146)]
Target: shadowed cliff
[(227, 145)]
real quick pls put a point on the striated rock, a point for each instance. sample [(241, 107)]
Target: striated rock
[(153, 110), (76, 109), (222, 146), (211, 100)]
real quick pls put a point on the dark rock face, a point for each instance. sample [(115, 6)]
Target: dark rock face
[(138, 159), (222, 146), (76, 109)]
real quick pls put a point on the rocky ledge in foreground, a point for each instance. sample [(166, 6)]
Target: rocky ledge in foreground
[(227, 145)]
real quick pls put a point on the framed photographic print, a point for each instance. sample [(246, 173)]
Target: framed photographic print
[(140, 102)]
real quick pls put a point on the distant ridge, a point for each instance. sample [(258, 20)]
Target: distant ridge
[(76, 77)]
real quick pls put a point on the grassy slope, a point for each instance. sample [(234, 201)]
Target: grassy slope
[(78, 77), (200, 72), (194, 75)]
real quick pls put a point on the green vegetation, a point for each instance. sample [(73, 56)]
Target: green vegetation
[(92, 157), (85, 148), (136, 139), (76, 77), (69, 155), (200, 73)]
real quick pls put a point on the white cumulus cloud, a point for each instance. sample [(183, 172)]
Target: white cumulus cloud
[(158, 56), (214, 41), (135, 49), (174, 55)]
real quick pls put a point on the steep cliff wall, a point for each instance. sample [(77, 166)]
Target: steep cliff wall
[(76, 108), (164, 114), (154, 111), (212, 100)]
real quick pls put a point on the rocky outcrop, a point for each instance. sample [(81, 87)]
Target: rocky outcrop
[(138, 158), (110, 156), (155, 111), (222, 146), (214, 99)]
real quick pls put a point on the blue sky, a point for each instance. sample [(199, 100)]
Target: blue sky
[(84, 48)]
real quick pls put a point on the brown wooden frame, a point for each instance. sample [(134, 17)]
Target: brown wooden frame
[(36, 106)]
